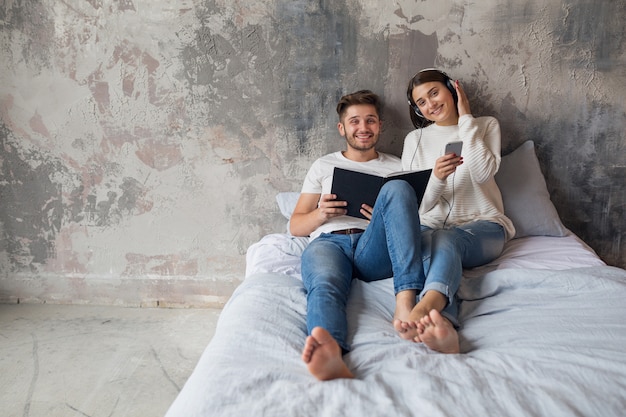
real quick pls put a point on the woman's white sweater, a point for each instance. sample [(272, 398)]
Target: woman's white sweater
[(471, 193)]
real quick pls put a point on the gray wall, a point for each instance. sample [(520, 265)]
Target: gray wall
[(143, 141)]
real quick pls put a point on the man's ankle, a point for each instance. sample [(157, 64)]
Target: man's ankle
[(406, 298)]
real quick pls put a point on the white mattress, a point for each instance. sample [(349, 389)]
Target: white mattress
[(543, 334)]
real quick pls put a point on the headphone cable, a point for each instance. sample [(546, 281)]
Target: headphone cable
[(419, 141), (449, 205)]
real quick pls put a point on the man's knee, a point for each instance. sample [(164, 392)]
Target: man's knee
[(397, 189), (321, 249)]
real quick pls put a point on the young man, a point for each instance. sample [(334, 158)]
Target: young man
[(343, 247)]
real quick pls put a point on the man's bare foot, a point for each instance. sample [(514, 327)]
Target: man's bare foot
[(322, 355), (405, 304), (438, 333)]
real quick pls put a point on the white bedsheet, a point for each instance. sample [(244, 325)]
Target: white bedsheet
[(535, 342), (280, 252), (276, 252)]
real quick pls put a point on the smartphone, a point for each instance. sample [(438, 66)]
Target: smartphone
[(454, 147)]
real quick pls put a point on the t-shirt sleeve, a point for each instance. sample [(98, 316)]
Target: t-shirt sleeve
[(313, 181)]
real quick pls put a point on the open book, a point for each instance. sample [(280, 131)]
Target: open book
[(359, 188)]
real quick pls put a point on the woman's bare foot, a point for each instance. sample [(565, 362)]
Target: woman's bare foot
[(408, 329), (322, 355), (408, 314), (438, 333)]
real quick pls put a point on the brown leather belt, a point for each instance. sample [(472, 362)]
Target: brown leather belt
[(347, 231)]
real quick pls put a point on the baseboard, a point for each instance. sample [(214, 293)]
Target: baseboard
[(167, 292)]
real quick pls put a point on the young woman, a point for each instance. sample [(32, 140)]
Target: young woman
[(462, 215)]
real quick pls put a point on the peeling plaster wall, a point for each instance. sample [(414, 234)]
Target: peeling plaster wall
[(143, 141)]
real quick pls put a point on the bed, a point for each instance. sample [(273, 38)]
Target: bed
[(543, 332)]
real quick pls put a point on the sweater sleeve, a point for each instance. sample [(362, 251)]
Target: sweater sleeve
[(481, 147)]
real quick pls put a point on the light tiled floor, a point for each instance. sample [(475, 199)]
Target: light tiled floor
[(66, 361)]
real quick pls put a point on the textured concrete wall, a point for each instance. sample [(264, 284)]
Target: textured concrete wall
[(143, 141)]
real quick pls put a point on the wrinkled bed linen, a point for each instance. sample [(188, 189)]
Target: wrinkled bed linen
[(534, 343), (280, 252)]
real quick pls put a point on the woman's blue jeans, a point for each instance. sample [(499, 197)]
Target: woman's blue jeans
[(393, 245)]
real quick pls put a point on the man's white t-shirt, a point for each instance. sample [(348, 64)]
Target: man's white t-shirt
[(319, 180)]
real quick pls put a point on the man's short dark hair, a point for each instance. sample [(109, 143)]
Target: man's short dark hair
[(360, 97)]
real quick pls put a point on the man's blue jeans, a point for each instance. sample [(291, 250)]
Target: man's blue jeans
[(393, 245)]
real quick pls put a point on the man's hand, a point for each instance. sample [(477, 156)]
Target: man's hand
[(330, 207), (367, 211), (313, 210)]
